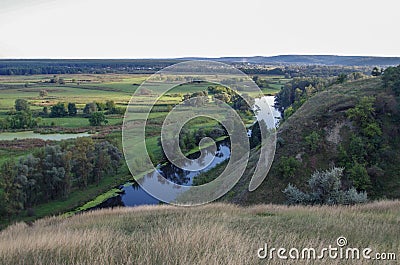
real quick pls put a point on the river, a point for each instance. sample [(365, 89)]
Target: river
[(9, 136), (134, 195)]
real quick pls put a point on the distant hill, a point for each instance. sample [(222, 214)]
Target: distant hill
[(309, 60)]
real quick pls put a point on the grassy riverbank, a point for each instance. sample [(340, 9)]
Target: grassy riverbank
[(178, 235)]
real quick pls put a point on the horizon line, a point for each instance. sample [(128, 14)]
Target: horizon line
[(189, 57)]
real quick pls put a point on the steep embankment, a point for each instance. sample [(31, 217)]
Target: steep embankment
[(211, 234), (336, 140)]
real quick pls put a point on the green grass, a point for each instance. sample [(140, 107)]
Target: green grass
[(96, 201), (76, 122), (211, 234)]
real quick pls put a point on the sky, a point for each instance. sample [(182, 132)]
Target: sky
[(207, 28)]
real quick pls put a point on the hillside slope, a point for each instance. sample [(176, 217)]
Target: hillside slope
[(211, 234), (326, 114)]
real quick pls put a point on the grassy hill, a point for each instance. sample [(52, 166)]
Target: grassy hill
[(326, 114), (211, 234)]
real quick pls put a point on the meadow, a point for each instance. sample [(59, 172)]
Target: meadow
[(87, 88), (211, 234)]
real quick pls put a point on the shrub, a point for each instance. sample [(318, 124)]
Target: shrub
[(325, 188), (287, 166), (97, 119), (313, 140)]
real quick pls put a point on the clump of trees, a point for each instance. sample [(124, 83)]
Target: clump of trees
[(97, 119), (238, 102), (109, 106), (43, 93), (324, 188), (261, 83), (189, 138), (295, 93), (196, 99), (377, 72), (90, 108), (391, 79), (365, 144), (57, 80), (53, 172), (20, 118), (288, 166), (313, 141), (58, 110)]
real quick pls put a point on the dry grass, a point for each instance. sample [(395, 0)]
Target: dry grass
[(211, 234)]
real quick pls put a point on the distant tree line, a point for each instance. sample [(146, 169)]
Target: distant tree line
[(292, 71), (21, 117), (262, 70), (55, 67), (52, 172)]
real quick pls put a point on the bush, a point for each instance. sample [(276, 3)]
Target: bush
[(288, 166), (97, 119), (325, 188), (313, 140), (295, 196), (359, 176)]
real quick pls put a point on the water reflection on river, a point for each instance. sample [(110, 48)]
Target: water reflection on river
[(134, 194)]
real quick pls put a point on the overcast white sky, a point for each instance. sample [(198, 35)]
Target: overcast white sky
[(209, 28)]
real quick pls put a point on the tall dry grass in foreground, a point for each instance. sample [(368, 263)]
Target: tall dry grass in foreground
[(211, 234)]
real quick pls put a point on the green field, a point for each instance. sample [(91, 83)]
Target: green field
[(83, 89)]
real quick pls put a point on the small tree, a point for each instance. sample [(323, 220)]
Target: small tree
[(313, 140), (359, 176), (287, 167), (72, 110), (110, 105), (21, 105), (341, 78), (43, 93), (90, 108), (45, 111), (58, 110), (97, 119), (376, 72)]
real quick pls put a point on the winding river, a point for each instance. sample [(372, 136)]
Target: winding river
[(134, 195)]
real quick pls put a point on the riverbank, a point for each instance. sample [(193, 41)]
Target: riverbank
[(109, 195)]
